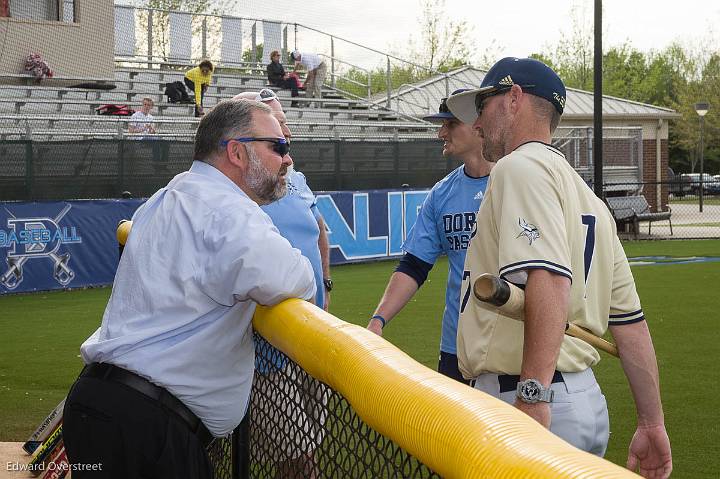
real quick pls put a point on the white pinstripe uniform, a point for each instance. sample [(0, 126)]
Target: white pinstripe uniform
[(539, 213)]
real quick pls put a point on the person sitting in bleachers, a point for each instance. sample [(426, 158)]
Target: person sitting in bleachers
[(277, 76), (198, 80), (142, 120)]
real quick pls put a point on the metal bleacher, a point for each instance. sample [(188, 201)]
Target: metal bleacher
[(52, 110)]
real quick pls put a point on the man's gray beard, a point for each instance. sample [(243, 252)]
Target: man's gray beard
[(266, 186)]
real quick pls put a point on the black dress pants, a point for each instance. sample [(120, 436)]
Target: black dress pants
[(290, 84), (128, 434)]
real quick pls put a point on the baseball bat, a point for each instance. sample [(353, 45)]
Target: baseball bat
[(57, 466), (43, 453), (44, 430), (509, 300)]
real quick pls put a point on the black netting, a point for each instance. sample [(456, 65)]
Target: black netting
[(300, 428), (220, 454), (104, 168)]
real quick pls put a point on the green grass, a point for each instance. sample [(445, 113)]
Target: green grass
[(42, 332)]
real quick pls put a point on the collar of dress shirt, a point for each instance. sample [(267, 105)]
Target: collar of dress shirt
[(205, 169)]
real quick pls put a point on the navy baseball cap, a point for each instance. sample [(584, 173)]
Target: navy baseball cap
[(443, 112), (532, 75)]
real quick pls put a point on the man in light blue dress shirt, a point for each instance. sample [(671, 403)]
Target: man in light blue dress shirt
[(172, 363)]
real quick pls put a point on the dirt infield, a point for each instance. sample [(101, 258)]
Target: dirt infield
[(11, 453)]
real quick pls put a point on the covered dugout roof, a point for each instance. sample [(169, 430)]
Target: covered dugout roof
[(424, 97)]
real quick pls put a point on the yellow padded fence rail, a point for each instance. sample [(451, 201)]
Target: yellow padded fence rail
[(455, 430)]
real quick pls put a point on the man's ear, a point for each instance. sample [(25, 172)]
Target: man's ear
[(515, 96), (237, 155)]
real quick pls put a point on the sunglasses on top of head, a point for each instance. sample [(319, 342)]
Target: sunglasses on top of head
[(480, 100), (280, 145)]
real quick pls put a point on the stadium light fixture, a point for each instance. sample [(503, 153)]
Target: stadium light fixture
[(701, 109)]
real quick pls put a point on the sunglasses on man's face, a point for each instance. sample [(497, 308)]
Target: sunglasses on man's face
[(280, 145), (481, 100)]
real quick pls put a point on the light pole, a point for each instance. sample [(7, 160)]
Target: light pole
[(701, 109)]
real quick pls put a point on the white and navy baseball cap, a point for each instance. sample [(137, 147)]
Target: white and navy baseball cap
[(533, 76), (443, 112)]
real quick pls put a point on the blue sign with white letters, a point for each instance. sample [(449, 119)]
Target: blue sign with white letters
[(365, 225), (72, 244), (63, 244)]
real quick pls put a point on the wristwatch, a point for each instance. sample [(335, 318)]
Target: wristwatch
[(531, 392), (328, 284)]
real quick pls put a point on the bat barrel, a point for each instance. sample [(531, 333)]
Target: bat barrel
[(491, 289)]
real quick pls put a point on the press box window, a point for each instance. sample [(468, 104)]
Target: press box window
[(52, 10)]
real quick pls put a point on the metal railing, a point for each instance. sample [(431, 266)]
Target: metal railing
[(152, 46)]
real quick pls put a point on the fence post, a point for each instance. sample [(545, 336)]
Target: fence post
[(589, 139), (204, 37), (396, 159), (284, 55), (338, 178), (295, 39), (389, 83), (121, 164), (332, 61), (29, 170), (241, 449), (150, 38), (447, 85)]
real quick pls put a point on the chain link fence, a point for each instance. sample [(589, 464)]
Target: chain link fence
[(298, 427), (104, 168)]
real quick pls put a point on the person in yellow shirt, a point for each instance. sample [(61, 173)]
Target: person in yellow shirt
[(198, 80)]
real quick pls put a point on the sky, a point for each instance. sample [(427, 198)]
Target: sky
[(514, 28)]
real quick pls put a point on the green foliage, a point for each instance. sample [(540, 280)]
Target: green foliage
[(676, 77), (399, 75), (247, 55), (443, 45)]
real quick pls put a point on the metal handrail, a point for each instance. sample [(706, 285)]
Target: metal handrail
[(387, 56), (367, 74)]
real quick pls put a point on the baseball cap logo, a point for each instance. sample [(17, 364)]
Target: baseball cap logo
[(507, 81), (560, 99)]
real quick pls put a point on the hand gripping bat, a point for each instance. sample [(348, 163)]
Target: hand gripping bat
[(509, 300)]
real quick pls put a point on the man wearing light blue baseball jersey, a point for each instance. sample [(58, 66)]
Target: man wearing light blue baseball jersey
[(443, 226), (296, 215)]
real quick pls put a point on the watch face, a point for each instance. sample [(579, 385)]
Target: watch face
[(531, 390)]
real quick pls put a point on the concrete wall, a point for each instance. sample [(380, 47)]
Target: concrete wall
[(84, 48)]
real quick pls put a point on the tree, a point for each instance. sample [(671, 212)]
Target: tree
[(572, 57), (443, 41), (161, 25)]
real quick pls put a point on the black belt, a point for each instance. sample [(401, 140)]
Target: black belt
[(508, 382), (113, 373)]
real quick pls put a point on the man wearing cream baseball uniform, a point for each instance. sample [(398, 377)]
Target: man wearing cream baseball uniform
[(541, 228)]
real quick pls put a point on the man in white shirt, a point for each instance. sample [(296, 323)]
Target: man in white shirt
[(316, 72), (172, 364), (142, 120)]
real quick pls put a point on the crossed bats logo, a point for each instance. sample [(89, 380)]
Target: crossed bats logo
[(528, 230), (38, 242)]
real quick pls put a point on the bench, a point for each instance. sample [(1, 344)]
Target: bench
[(634, 209)]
